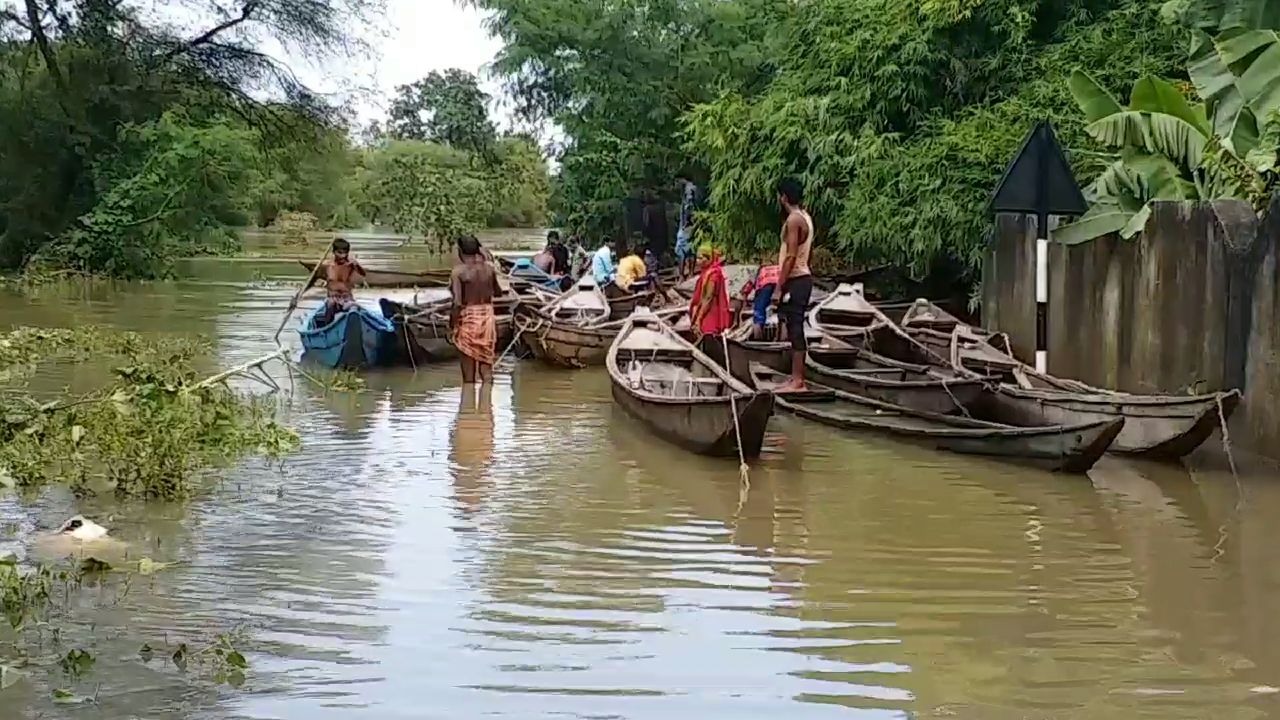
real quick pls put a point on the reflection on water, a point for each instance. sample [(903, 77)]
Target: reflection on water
[(522, 550)]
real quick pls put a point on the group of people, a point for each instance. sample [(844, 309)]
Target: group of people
[(785, 287), (560, 262)]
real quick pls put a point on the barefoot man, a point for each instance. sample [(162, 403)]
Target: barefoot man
[(796, 283), (474, 283)]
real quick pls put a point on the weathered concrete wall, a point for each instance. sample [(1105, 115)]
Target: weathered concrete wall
[(1190, 304)]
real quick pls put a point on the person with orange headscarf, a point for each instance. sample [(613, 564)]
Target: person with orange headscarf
[(709, 309)]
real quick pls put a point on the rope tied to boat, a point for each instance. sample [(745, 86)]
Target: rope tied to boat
[(1226, 437), (744, 471), (522, 324)]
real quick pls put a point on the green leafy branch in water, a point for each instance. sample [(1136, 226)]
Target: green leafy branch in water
[(24, 592), (219, 660), (343, 380), (146, 433)]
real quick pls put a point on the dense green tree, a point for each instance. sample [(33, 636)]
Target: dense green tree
[(617, 78), (897, 117), (79, 77), (447, 108)]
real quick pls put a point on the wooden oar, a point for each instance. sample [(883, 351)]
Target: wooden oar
[(293, 304)]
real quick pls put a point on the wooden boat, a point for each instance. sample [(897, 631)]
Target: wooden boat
[(355, 338), (916, 387), (575, 329), (848, 316), (397, 279), (975, 349), (681, 394), (1157, 426), (773, 354), (1066, 448), (1165, 427), (422, 334)]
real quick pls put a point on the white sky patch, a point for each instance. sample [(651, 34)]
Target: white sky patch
[(414, 38)]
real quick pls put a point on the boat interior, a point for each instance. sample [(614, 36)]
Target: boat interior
[(655, 363)]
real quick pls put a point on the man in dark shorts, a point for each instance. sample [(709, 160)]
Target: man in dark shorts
[(796, 282), (474, 284)]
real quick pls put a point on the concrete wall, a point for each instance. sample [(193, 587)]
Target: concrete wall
[(1189, 305)]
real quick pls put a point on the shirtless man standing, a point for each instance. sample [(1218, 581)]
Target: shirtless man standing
[(339, 280), (795, 281), (474, 284)]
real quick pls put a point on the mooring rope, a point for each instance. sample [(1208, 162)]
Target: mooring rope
[(744, 472)]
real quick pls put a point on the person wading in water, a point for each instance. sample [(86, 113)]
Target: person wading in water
[(796, 283), (474, 284), (339, 280)]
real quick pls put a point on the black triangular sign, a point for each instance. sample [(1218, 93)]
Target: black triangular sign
[(1039, 180)]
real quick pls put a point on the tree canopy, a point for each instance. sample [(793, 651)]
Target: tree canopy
[(896, 117), (134, 135), (128, 137)]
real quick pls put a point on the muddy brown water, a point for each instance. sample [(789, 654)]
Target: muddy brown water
[(529, 553)]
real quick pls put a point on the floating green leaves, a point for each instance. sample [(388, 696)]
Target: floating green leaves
[(77, 662), (62, 696), (147, 433)]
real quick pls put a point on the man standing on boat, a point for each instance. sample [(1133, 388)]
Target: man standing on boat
[(474, 284), (339, 280), (796, 282), (684, 233)]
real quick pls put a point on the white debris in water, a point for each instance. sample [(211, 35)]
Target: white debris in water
[(1264, 690)]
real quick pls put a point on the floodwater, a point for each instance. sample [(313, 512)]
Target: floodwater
[(527, 553)]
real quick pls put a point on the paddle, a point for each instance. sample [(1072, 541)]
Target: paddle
[(293, 304)]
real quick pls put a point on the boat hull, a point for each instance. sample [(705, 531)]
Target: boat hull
[(706, 426), (425, 339), (938, 395), (1071, 449), (355, 338), (562, 344), (1160, 427)]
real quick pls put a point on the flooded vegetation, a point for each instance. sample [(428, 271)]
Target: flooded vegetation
[(529, 551)]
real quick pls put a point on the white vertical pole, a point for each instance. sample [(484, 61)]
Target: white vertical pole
[(1042, 301)]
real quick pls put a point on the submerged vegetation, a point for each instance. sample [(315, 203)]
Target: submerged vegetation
[(147, 431)]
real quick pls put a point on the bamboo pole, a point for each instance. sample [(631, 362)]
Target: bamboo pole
[(293, 304), (279, 353)]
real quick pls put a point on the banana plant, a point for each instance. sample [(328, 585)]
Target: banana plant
[(1161, 142)]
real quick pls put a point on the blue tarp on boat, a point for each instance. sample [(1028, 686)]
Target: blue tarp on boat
[(526, 270), (359, 337)]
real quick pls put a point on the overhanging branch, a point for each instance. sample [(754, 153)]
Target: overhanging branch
[(246, 12)]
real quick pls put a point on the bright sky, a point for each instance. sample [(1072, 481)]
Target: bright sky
[(418, 36)]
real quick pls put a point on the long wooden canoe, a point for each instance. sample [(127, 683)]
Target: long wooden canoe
[(1067, 448), (1164, 427), (681, 394), (848, 316), (396, 278), (423, 335), (900, 384), (1157, 426)]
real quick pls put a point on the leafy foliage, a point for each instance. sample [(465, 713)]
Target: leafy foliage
[(1168, 148), (146, 433), (617, 78), (128, 139), (898, 118), (897, 166), (448, 108)]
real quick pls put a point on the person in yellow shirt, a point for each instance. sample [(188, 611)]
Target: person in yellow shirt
[(631, 270)]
